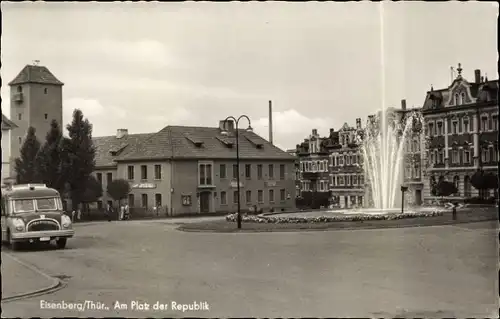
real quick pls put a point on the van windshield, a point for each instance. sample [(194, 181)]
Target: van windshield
[(24, 205), (46, 204)]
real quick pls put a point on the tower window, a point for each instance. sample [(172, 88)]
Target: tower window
[(20, 116), (45, 91), (46, 116), (19, 89)]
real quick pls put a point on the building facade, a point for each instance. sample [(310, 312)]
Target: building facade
[(347, 180), (7, 126), (461, 126), (35, 100), (190, 170), (313, 168)]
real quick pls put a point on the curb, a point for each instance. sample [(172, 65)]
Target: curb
[(55, 285), (287, 230)]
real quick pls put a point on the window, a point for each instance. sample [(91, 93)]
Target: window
[(347, 160), (45, 91), (222, 173), (144, 200), (457, 99), (271, 170), (158, 200), (354, 158), (223, 198), (186, 200), (205, 171), (131, 200), (494, 122), (417, 170), (484, 123), (259, 170), (157, 171), (19, 89), (109, 178), (440, 128), (432, 159), (354, 180), (130, 172), (99, 178), (248, 171), (321, 185), (361, 180), (19, 116), (454, 127), (341, 180), (260, 196), (235, 197), (466, 127), (431, 129), (282, 171), (235, 171), (454, 158), (248, 196), (282, 194), (332, 180), (456, 182), (441, 157), (24, 205), (271, 195), (462, 98), (46, 116), (144, 172)]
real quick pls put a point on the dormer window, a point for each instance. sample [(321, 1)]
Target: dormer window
[(19, 89), (457, 99), (462, 98)]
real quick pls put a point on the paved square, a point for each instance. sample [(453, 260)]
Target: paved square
[(445, 271)]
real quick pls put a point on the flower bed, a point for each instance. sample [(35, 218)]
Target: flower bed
[(328, 219)]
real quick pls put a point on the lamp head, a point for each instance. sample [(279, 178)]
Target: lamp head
[(249, 129), (224, 133)]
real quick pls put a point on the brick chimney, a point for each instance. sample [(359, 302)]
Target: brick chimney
[(477, 74), (121, 132), (403, 104), (358, 123), (315, 132)]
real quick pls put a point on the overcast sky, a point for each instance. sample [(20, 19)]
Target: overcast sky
[(143, 66)]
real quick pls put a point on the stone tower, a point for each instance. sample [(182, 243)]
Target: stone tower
[(35, 100)]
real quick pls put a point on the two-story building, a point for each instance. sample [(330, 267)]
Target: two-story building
[(347, 179), (461, 124), (7, 126), (189, 170)]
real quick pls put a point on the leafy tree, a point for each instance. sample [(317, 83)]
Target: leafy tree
[(51, 158), (481, 182), (81, 156), (25, 166), (93, 190), (118, 189), (445, 188)]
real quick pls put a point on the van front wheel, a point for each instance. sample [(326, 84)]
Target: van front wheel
[(61, 243)]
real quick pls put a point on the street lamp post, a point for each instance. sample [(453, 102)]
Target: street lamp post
[(224, 132), (403, 190)]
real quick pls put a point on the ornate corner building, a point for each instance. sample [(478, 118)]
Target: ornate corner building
[(461, 128)]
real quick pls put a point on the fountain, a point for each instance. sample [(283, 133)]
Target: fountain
[(382, 145)]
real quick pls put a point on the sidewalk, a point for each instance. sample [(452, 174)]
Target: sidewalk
[(19, 279)]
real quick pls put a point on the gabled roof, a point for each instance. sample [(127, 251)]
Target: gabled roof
[(171, 142), (7, 124), (108, 147), (35, 74), (479, 92)]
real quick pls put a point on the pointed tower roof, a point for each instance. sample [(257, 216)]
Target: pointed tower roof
[(35, 74)]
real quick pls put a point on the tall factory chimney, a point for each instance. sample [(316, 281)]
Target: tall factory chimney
[(270, 122)]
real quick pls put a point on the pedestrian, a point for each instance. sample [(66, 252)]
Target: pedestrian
[(78, 214), (454, 211), (122, 212), (108, 211), (73, 213), (126, 212)]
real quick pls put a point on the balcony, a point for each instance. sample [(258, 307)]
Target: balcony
[(18, 97), (310, 175)]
